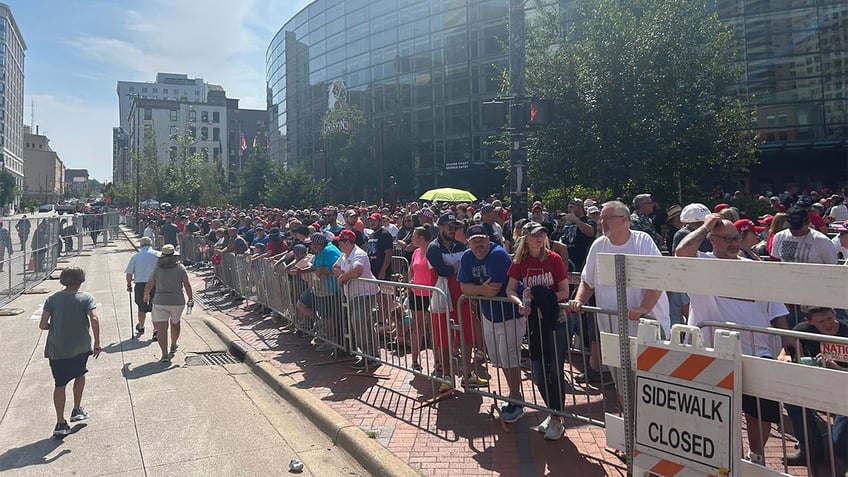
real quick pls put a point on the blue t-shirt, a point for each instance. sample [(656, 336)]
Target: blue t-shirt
[(494, 266), (326, 259)]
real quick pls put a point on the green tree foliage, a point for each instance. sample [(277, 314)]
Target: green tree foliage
[(350, 174), (294, 188), (8, 188), (213, 187), (644, 98), (254, 177)]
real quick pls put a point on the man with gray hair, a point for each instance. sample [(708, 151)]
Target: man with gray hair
[(640, 219), (139, 269)]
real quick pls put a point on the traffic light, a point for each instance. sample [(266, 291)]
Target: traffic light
[(539, 112), (494, 113)]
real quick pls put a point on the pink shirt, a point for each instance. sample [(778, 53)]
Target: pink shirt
[(422, 274)]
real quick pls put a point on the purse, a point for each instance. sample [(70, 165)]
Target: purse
[(441, 302)]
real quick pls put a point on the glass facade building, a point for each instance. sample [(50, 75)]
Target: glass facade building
[(419, 72)]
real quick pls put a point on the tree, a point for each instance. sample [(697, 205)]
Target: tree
[(644, 98), (253, 180), (296, 188), (8, 188)]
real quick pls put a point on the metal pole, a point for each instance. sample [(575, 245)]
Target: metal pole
[(382, 138), (624, 349), (517, 146), (137, 194)]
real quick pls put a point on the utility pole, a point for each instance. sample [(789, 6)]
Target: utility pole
[(517, 145)]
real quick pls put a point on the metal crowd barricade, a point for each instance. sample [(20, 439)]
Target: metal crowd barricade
[(29, 253), (190, 248), (549, 364), (827, 456), (389, 336)]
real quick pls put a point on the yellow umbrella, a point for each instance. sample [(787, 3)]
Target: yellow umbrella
[(447, 194)]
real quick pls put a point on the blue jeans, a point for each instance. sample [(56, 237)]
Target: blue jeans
[(839, 431), (548, 372)]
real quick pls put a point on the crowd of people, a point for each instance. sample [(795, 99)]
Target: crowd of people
[(476, 249)]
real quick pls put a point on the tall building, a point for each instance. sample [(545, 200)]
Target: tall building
[(794, 57), (44, 173), (167, 87), (12, 48), (205, 121), (419, 72)]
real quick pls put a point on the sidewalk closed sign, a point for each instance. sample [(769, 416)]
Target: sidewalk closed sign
[(688, 405)]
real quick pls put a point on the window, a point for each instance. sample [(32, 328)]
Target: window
[(174, 115), (204, 133), (205, 153), (172, 152), (148, 114), (192, 131), (192, 151), (132, 89), (216, 134), (173, 131), (155, 90), (192, 116), (143, 90), (216, 117), (216, 153), (204, 116), (164, 90)]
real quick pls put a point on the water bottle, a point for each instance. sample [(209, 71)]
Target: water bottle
[(189, 306), (526, 302)]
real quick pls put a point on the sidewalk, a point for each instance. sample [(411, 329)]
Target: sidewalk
[(147, 418)]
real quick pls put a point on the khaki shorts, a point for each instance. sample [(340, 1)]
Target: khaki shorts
[(170, 313)]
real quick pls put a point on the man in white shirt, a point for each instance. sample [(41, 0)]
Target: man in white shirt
[(800, 243), (361, 296), (726, 240), (617, 237)]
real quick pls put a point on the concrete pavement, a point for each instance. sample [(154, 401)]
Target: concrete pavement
[(148, 418)]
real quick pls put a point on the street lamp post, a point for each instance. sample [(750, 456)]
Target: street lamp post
[(137, 194)]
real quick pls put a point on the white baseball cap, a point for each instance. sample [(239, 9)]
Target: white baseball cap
[(695, 212)]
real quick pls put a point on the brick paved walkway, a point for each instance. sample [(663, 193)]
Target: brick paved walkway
[(457, 434)]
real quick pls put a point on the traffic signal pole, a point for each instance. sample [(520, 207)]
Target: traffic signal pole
[(517, 144)]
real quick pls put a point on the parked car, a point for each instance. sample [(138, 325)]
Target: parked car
[(46, 208)]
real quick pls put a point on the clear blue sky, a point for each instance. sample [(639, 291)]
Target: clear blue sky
[(77, 51)]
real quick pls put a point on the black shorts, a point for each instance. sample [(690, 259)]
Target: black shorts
[(144, 307), (418, 302), (768, 410), (65, 370)]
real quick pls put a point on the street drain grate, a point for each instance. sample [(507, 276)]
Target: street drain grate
[(211, 358)]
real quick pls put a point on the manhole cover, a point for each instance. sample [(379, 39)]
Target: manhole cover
[(212, 358)]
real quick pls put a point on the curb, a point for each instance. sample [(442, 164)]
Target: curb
[(376, 459)]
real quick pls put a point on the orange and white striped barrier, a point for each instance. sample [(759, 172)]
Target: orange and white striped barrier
[(688, 403)]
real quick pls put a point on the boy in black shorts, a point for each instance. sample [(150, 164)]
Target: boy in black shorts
[(67, 317)]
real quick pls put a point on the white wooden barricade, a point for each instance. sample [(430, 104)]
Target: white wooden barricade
[(822, 285)]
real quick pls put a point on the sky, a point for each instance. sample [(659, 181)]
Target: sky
[(77, 51)]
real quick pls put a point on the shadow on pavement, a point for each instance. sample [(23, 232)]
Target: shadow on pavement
[(146, 369), (127, 345), (34, 454)]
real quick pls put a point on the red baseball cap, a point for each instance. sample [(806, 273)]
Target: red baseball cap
[(745, 225), (346, 235)]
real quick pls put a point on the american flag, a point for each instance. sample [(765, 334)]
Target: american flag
[(243, 141)]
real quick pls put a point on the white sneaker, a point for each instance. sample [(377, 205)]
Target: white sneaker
[(555, 430), (543, 427), (756, 458)]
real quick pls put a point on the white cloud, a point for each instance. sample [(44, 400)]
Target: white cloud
[(221, 41), (80, 131)]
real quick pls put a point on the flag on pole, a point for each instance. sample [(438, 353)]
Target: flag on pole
[(256, 141), (267, 141), (243, 141)]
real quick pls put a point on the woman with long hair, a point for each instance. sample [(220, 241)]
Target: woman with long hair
[(170, 279), (420, 273), (544, 277)]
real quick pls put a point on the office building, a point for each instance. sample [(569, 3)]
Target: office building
[(419, 72), (12, 48), (44, 172)]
